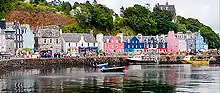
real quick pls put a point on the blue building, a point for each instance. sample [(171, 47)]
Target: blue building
[(199, 42), (132, 44), (155, 42)]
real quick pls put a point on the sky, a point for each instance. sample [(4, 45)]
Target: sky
[(206, 11)]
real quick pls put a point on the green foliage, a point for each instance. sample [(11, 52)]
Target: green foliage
[(164, 22), (194, 25), (140, 20), (66, 8), (74, 28), (5, 6)]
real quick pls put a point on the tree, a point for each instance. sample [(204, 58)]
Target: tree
[(66, 8), (164, 22), (140, 20)]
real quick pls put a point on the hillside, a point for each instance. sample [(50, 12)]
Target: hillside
[(37, 18)]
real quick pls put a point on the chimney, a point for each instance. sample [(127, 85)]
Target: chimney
[(3, 24), (166, 3)]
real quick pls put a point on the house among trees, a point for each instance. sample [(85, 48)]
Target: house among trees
[(170, 8)]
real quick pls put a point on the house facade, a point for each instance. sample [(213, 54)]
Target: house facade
[(133, 44), (190, 42), (10, 37), (199, 42), (28, 35), (182, 47), (2, 41), (172, 42), (48, 38), (99, 39), (155, 43), (79, 43), (113, 45)]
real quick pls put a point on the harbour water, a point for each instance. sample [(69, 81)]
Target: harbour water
[(181, 78)]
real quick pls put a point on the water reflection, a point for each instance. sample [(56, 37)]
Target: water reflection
[(138, 79)]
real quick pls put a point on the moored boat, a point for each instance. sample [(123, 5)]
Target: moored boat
[(113, 69), (190, 60), (141, 59), (100, 66)]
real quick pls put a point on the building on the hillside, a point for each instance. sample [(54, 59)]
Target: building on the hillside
[(55, 2), (48, 38), (28, 37), (79, 43), (2, 41), (99, 39), (10, 37), (172, 42), (181, 41), (133, 44), (190, 42), (199, 42), (170, 8), (113, 45)]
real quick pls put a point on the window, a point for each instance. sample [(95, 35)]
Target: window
[(136, 46), (82, 44), (45, 40), (76, 44), (93, 44), (57, 41), (88, 44), (50, 40), (69, 44), (128, 46), (116, 46)]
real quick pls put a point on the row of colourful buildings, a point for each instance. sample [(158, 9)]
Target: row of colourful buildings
[(14, 36)]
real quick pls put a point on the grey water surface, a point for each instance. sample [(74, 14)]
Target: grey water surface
[(181, 78)]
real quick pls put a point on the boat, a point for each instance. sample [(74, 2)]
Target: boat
[(100, 66), (190, 60), (141, 59), (113, 69)]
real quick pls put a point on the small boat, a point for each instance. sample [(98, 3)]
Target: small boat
[(141, 59), (190, 60), (113, 69), (100, 66)]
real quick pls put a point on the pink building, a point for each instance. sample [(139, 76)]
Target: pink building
[(113, 45), (172, 42)]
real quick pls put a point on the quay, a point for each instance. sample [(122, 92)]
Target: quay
[(82, 61)]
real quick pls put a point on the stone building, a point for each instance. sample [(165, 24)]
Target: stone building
[(48, 38), (170, 8)]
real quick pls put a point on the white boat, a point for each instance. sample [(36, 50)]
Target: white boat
[(141, 59)]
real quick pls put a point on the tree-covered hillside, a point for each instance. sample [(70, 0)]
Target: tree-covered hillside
[(97, 18)]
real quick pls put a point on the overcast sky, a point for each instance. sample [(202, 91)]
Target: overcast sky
[(207, 11)]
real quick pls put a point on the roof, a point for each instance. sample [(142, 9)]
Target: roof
[(76, 37), (125, 38)]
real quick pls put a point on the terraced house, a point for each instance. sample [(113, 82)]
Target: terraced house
[(113, 44), (133, 44)]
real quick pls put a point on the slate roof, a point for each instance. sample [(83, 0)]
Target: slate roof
[(48, 32), (76, 37), (106, 38), (125, 38)]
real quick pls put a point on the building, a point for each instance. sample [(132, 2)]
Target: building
[(172, 42), (113, 45), (28, 37), (48, 38), (10, 37), (181, 41), (155, 43), (170, 8), (19, 35), (99, 39), (2, 41), (79, 43), (199, 42), (190, 42), (133, 44)]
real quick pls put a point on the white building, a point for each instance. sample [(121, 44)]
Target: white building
[(73, 42), (99, 39), (28, 37)]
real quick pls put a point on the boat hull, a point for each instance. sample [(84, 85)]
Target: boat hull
[(141, 61), (205, 62), (114, 69)]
